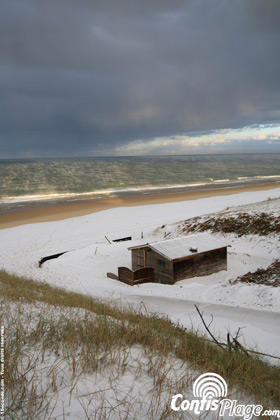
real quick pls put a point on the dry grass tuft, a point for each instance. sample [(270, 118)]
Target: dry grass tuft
[(67, 337), (240, 224)]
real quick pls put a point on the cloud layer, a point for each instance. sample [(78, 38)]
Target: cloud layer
[(90, 77)]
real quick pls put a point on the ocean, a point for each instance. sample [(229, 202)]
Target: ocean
[(39, 182)]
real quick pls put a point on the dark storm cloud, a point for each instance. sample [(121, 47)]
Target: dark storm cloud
[(83, 76)]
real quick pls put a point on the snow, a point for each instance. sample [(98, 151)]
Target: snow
[(128, 381), (176, 248), (254, 308)]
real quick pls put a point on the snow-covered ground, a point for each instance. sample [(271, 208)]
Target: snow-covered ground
[(254, 308), (127, 382)]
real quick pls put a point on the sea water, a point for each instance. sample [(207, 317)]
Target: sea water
[(27, 182)]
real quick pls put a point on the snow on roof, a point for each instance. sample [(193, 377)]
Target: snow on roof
[(178, 248)]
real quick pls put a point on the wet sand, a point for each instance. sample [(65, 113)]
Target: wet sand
[(64, 211)]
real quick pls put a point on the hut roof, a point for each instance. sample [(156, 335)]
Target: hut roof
[(179, 248)]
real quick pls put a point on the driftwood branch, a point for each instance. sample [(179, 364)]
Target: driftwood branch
[(231, 344), (249, 351), (207, 329), (239, 346)]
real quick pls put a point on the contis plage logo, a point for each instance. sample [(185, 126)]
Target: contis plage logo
[(210, 391)]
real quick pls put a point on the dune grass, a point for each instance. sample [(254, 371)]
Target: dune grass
[(101, 336), (241, 224)]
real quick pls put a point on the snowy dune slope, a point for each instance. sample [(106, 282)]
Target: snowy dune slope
[(256, 308)]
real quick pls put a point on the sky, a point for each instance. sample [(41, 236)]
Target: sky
[(134, 77)]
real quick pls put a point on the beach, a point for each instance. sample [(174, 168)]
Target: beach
[(140, 210), (89, 256), (87, 250), (69, 210)]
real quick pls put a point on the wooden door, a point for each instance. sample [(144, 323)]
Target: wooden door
[(140, 258)]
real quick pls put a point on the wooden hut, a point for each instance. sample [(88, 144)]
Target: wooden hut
[(181, 258)]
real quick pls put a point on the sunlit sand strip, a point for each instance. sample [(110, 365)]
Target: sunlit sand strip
[(59, 212)]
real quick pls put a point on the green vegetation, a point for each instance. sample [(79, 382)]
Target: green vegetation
[(98, 338)]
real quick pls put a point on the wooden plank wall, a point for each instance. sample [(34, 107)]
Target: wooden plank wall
[(201, 264), (169, 272), (163, 267), (125, 275), (138, 258), (143, 275)]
